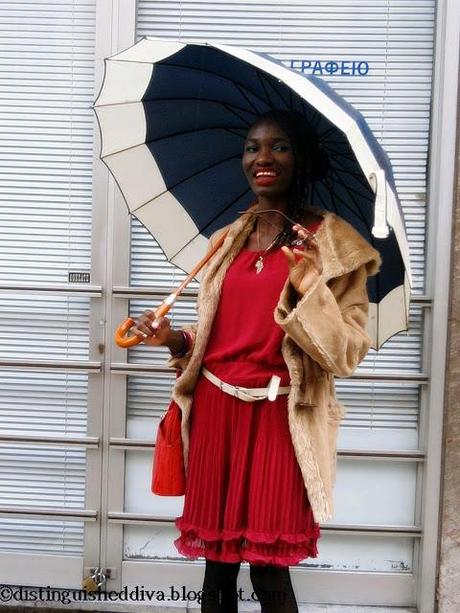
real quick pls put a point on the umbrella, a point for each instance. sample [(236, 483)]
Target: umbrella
[(173, 118)]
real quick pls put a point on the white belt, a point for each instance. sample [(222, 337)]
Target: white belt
[(249, 393)]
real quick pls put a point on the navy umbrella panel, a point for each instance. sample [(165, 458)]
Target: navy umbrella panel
[(173, 119)]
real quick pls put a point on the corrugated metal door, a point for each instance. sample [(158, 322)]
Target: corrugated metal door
[(46, 89), (379, 57)]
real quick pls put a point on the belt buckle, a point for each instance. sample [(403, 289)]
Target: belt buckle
[(273, 387)]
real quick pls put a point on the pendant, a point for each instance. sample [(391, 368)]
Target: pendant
[(259, 264)]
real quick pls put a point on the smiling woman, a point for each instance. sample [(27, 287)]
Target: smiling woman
[(258, 473), (268, 160)]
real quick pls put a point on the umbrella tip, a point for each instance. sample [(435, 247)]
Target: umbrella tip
[(380, 231)]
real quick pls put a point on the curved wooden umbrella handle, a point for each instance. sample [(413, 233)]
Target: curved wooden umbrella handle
[(123, 329), (130, 341)]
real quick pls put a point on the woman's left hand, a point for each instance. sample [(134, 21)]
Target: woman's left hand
[(304, 271)]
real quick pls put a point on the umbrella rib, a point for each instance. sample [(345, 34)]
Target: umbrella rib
[(330, 130), (194, 174), (262, 84), (245, 96), (261, 78), (333, 197), (156, 140), (344, 204), (359, 179), (343, 151), (357, 213), (234, 131), (231, 110), (182, 133), (216, 74), (198, 172), (356, 175), (247, 190), (319, 196), (212, 220), (315, 121), (226, 208), (173, 99), (194, 98), (328, 186), (317, 118), (353, 193), (348, 154)]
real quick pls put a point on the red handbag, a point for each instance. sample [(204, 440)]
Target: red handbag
[(168, 473)]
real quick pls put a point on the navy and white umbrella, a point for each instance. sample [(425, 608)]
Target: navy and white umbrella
[(173, 118)]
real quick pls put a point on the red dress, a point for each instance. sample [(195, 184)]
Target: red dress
[(245, 498)]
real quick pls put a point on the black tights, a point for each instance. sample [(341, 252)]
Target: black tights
[(219, 588), (272, 585)]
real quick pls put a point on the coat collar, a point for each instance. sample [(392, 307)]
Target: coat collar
[(342, 248)]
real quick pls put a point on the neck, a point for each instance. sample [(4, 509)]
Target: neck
[(267, 221)]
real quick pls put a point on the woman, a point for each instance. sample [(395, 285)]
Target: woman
[(259, 411)]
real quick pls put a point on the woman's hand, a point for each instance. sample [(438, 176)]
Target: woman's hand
[(152, 331), (304, 271)]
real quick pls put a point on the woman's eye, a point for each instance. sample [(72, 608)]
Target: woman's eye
[(250, 148), (281, 147)]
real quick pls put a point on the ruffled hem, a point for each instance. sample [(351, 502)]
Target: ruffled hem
[(277, 549)]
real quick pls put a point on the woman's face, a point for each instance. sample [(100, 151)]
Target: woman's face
[(268, 160)]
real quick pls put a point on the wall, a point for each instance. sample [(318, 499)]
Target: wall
[(449, 568)]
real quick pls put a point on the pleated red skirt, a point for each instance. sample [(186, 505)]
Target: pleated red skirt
[(245, 498)]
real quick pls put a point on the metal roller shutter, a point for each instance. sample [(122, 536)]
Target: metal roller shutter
[(46, 159)]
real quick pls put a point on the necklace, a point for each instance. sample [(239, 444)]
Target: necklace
[(259, 265)]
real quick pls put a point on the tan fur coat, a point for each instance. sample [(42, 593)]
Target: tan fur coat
[(325, 336)]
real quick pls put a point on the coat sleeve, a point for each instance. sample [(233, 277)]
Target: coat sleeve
[(328, 322), (182, 362)]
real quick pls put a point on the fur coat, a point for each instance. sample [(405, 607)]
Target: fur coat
[(325, 336)]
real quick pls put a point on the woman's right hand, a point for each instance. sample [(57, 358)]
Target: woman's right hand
[(152, 331)]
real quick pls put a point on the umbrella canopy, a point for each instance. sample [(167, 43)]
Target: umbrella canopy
[(173, 119)]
